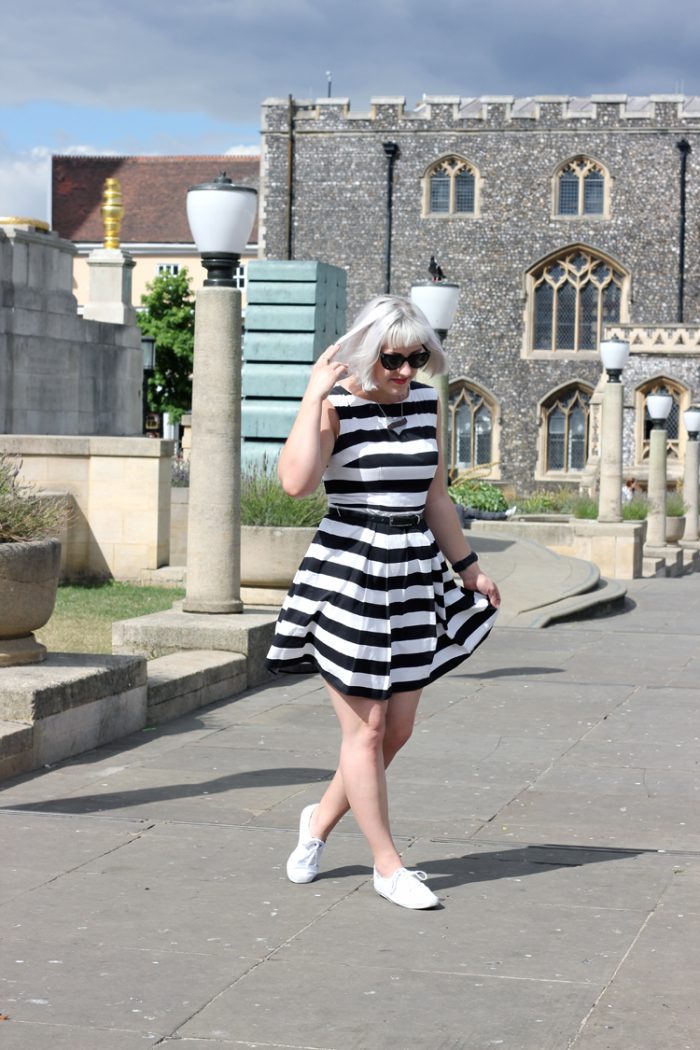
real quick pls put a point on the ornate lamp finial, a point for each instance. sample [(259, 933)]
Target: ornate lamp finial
[(112, 212)]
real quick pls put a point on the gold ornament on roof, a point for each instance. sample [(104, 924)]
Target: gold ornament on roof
[(112, 212), (20, 220)]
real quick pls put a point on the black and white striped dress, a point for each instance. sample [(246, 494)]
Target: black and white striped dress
[(373, 608)]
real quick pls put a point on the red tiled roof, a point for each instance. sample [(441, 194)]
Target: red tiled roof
[(154, 191)]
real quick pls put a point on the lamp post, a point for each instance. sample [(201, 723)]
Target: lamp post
[(614, 354), (658, 407), (438, 301), (221, 217), (691, 418), (148, 347)]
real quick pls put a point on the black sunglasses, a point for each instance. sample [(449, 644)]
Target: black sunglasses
[(417, 359)]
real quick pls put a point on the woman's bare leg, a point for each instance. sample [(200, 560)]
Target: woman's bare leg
[(373, 733)]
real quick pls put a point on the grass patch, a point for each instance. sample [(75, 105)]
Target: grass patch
[(84, 614)]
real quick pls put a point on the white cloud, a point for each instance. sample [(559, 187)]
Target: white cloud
[(242, 151), (25, 179), (24, 183)]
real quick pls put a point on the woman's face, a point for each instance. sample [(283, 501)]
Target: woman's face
[(392, 383)]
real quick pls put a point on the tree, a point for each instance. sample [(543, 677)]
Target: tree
[(168, 318)]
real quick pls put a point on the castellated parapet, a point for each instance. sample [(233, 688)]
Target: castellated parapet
[(442, 112)]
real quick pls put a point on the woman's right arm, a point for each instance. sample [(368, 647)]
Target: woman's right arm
[(310, 443)]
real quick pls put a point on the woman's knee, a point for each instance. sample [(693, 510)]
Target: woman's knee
[(396, 737), (367, 732)]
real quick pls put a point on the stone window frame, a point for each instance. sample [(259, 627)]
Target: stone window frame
[(457, 385), (457, 162), (590, 164), (675, 447), (532, 281), (544, 410)]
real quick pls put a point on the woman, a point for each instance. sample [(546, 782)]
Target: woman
[(374, 607)]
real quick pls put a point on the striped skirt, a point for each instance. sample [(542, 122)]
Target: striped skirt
[(376, 611)]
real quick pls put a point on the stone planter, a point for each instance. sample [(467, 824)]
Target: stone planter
[(675, 527), (28, 580), (271, 556)]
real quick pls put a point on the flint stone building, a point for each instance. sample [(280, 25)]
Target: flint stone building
[(563, 220)]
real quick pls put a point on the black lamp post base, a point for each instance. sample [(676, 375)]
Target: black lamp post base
[(221, 268)]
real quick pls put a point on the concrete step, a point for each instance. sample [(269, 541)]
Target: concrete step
[(605, 597), (15, 748), (184, 681)]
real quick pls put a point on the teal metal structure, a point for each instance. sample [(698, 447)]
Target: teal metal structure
[(295, 310)]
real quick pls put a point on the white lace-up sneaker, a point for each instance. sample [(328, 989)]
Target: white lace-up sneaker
[(406, 888), (303, 863)]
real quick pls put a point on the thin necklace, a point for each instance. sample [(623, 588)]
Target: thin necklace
[(391, 424)]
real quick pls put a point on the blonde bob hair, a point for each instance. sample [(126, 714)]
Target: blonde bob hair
[(386, 323)]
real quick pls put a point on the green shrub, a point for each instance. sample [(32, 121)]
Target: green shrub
[(635, 510), (638, 508), (480, 495), (264, 501), (584, 507), (547, 501), (675, 507), (24, 513)]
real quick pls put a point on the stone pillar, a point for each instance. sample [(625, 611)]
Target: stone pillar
[(110, 287), (213, 525), (690, 489), (656, 518), (610, 497)]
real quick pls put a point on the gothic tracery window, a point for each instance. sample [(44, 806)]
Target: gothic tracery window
[(470, 427), (674, 430), (574, 295), (451, 187), (565, 418), (579, 188)]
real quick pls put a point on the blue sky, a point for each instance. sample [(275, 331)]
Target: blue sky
[(169, 76)]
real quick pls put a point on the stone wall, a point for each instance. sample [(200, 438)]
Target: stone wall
[(60, 374), (121, 493), (515, 145)]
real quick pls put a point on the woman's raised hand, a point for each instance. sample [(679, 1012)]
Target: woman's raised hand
[(326, 372)]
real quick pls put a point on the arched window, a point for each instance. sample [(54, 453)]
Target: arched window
[(450, 187), (675, 432), (573, 295), (581, 188), (471, 426), (565, 419)]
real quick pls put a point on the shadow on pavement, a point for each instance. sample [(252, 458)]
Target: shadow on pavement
[(516, 863), (512, 672), (99, 802)]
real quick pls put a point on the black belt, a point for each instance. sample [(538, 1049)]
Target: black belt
[(368, 517)]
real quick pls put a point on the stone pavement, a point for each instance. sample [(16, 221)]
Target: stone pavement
[(551, 792)]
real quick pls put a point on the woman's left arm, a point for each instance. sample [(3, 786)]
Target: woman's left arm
[(443, 522)]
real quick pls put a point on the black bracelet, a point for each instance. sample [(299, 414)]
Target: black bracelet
[(464, 563)]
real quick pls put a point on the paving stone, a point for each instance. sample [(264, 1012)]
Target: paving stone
[(45, 847), (328, 1003), (653, 1000), (602, 820), (44, 980), (198, 890), (24, 1035), (537, 943)]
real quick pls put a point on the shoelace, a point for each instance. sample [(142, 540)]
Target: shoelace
[(308, 852), (418, 875)]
